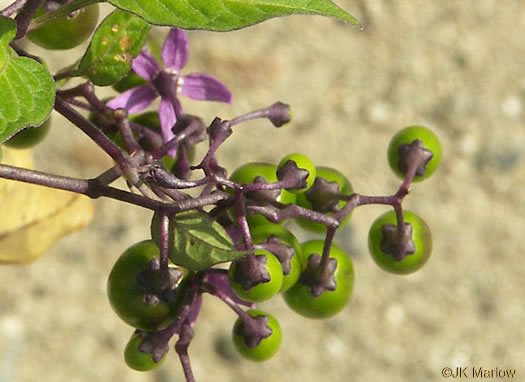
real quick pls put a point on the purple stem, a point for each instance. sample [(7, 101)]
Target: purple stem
[(80, 104), (13, 8), (181, 347), (142, 131), (92, 131), (109, 176), (22, 53), (24, 17), (121, 118), (330, 232), (286, 211), (188, 131), (164, 239), (278, 114), (240, 215), (211, 289), (92, 188)]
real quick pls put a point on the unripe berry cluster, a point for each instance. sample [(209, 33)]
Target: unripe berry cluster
[(315, 278)]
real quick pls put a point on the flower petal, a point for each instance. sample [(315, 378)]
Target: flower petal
[(168, 117), (134, 100), (202, 87), (175, 50), (145, 66)]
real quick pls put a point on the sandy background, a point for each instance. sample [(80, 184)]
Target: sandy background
[(457, 67)]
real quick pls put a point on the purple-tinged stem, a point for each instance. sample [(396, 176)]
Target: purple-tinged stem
[(172, 143), (79, 186), (287, 211), (278, 114), (142, 131), (181, 347), (125, 162), (161, 176), (416, 157), (121, 118), (240, 215), (80, 104), (91, 131), (330, 232), (164, 227), (211, 199), (24, 17), (92, 188), (109, 176), (62, 75), (22, 53), (13, 8), (87, 90), (214, 291), (160, 192)]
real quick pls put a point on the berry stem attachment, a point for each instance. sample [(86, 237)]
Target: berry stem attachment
[(181, 347), (278, 113), (240, 216), (217, 292), (121, 118), (324, 269), (416, 157)]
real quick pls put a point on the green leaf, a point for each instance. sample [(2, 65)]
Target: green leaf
[(116, 42), (224, 15), (27, 90), (198, 242)]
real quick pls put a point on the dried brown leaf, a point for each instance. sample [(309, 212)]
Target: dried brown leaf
[(33, 218)]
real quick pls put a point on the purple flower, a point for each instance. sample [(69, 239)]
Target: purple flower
[(168, 84)]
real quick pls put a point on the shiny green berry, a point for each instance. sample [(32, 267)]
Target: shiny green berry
[(262, 291), (273, 233), (400, 147), (267, 347), (302, 162), (300, 297), (258, 171), (128, 298), (382, 239), (138, 360), (345, 187), (68, 31)]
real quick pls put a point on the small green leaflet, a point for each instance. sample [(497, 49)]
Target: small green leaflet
[(198, 242), (116, 42), (27, 90), (225, 15)]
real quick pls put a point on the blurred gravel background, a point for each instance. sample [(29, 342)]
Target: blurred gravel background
[(454, 66)]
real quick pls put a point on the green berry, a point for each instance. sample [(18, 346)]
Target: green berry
[(300, 298), (248, 173), (68, 31), (421, 239), (262, 291), (138, 360), (345, 187), (401, 141), (264, 232), (267, 347), (302, 162), (127, 296)]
